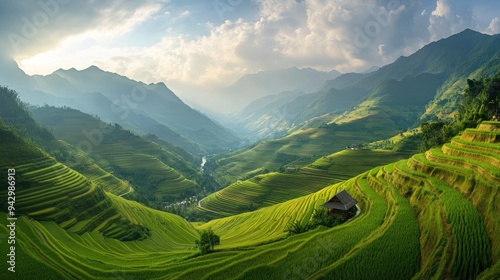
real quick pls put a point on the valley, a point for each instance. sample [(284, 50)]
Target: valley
[(119, 179)]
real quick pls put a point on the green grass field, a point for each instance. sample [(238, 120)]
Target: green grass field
[(272, 188), (119, 153), (299, 148), (435, 215)]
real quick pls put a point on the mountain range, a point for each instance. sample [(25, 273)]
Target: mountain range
[(141, 108), (251, 87), (94, 152), (430, 83)]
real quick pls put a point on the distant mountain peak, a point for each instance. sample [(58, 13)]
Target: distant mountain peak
[(467, 33), (468, 30), (92, 68), (73, 70), (61, 70), (10, 73)]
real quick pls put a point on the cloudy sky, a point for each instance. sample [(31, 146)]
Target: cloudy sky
[(211, 43)]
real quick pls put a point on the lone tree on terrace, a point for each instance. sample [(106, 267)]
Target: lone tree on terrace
[(208, 240)]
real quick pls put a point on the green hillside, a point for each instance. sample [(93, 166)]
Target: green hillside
[(272, 188), (436, 214), (58, 208), (16, 115), (82, 163), (48, 190), (303, 146), (151, 168), (422, 86), (391, 107), (419, 214)]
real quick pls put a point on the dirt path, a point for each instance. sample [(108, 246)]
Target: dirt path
[(129, 191), (357, 214), (206, 209)]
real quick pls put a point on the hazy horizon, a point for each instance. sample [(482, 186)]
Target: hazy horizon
[(199, 47)]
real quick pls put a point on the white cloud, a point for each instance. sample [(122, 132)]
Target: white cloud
[(315, 33), (494, 27), (347, 35), (442, 9), (445, 20), (92, 46), (43, 25)]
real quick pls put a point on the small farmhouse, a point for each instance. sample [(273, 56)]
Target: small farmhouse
[(290, 169), (342, 201)]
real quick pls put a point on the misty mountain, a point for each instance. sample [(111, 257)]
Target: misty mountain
[(371, 69), (251, 87), (423, 85), (260, 104), (141, 108)]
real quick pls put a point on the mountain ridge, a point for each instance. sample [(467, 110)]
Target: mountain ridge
[(129, 103), (464, 55), (257, 85)]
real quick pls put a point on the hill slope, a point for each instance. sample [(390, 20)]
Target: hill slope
[(16, 115), (436, 214), (275, 187), (446, 64), (426, 84), (58, 208), (137, 106), (150, 167), (447, 195)]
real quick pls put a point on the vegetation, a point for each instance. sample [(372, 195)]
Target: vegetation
[(157, 172), (402, 206), (208, 240), (14, 113), (320, 217), (435, 215), (298, 148), (480, 102), (275, 187)]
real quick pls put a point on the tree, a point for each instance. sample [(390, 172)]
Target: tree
[(208, 240), (432, 134), (480, 102)]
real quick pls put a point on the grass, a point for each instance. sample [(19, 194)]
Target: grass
[(399, 235), (116, 153), (298, 148), (431, 216), (265, 190), (275, 187)]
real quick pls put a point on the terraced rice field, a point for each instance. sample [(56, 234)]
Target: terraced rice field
[(298, 148), (273, 188), (119, 152), (266, 190), (435, 215), (49, 191), (167, 179), (103, 179)]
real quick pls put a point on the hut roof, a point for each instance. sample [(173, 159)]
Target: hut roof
[(341, 201)]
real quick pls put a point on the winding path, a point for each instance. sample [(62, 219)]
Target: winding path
[(129, 191), (206, 209)]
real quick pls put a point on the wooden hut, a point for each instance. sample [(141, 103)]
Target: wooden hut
[(341, 202)]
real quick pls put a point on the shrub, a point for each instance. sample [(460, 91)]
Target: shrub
[(208, 240), (296, 228)]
